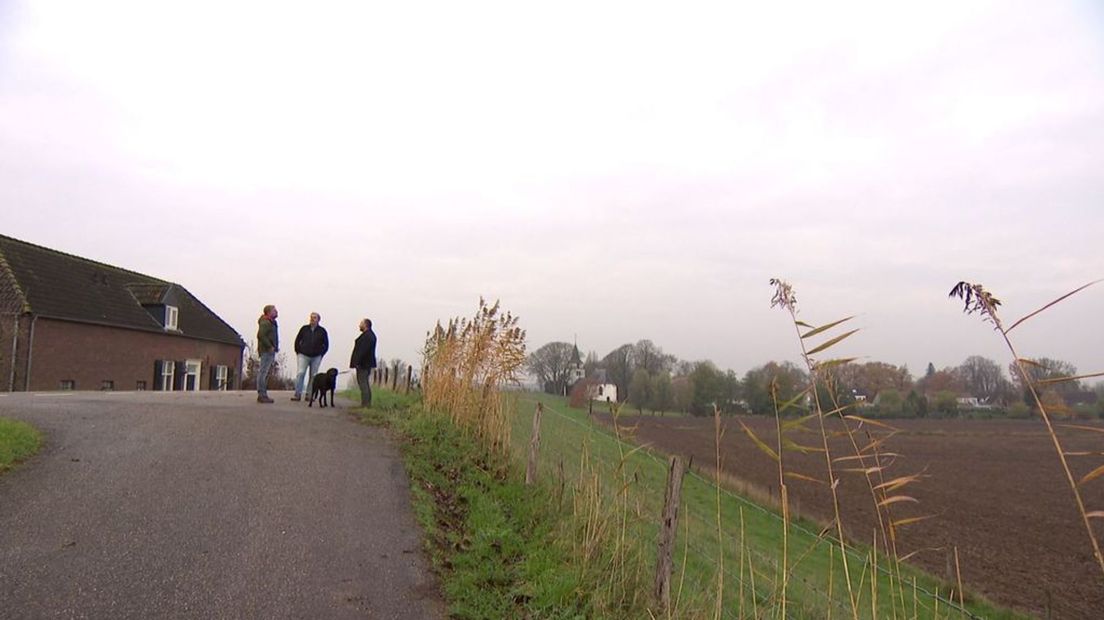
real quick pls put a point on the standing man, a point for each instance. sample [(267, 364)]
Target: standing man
[(268, 343), (311, 344), (364, 360)]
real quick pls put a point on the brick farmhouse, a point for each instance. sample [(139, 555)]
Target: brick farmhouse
[(69, 323)]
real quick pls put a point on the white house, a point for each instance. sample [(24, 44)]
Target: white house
[(604, 392)]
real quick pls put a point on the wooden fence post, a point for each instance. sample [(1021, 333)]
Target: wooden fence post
[(395, 378), (534, 447), (668, 527)]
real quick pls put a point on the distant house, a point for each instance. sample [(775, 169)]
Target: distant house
[(972, 402), (599, 388), (69, 323)]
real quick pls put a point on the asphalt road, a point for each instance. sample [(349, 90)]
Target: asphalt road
[(207, 505)]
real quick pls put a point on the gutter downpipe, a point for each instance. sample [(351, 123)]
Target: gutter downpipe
[(15, 341), (30, 354)]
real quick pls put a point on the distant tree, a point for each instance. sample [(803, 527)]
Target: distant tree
[(945, 402), (709, 388), (1044, 368), (580, 394), (276, 379), (915, 406), (646, 355), (682, 368), (618, 365), (551, 364), (591, 364), (945, 380), (640, 389), (662, 392), (682, 393), (890, 401), (756, 385), (981, 377), (871, 378), (930, 371), (733, 393)]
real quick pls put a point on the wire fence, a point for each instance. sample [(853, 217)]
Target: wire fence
[(741, 558)]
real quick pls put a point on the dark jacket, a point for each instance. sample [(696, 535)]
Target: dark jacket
[(312, 342), (364, 350), (268, 336)]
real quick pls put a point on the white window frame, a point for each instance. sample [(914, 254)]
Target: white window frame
[(172, 315), (168, 373), (192, 368), (221, 374)]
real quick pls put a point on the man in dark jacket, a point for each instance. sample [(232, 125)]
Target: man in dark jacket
[(268, 343), (311, 344), (364, 360)]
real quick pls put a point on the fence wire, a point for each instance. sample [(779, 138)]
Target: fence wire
[(652, 499)]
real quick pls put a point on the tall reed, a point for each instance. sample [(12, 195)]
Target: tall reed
[(822, 401), (976, 299), (465, 366)]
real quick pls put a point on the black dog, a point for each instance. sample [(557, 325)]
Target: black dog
[(323, 382)]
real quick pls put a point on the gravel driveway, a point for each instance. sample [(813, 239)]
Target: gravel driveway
[(206, 505)]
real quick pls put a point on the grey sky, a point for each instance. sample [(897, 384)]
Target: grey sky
[(615, 171)]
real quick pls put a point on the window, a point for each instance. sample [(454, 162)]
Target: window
[(191, 375), (141, 387), (167, 368), (220, 378), (107, 385), (171, 315), (68, 384)]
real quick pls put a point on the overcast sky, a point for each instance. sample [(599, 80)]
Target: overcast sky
[(611, 171)]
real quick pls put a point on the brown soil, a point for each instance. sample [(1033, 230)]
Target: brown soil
[(995, 489)]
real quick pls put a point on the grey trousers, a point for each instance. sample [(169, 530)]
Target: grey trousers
[(363, 374)]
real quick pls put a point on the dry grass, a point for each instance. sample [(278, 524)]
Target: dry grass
[(466, 366), (978, 300)]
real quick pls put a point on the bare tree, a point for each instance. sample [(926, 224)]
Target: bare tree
[(1043, 369), (619, 366), (648, 356), (552, 366), (982, 377)]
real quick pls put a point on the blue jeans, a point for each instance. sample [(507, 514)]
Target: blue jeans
[(262, 372), (302, 379)]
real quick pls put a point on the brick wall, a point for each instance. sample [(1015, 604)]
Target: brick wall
[(91, 354)]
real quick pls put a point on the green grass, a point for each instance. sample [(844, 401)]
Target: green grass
[(491, 538), (815, 584), (18, 440), (502, 549)]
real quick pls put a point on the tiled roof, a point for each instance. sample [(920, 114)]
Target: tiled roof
[(63, 286), (147, 293)]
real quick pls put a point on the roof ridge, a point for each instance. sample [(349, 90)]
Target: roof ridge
[(83, 259)]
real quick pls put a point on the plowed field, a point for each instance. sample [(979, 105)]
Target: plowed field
[(994, 488)]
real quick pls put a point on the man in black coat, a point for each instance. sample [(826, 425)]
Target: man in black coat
[(364, 360), (311, 343)]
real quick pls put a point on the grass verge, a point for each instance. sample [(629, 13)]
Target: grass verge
[(506, 550), (745, 555), (18, 440), (491, 539)]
